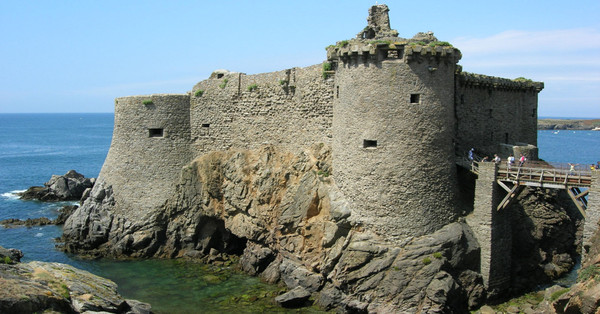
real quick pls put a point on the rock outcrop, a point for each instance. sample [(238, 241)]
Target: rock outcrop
[(39, 287), (284, 215), (68, 187), (584, 296), (546, 236), (63, 214)]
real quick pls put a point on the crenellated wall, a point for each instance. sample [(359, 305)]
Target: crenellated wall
[(290, 108), (142, 163), (491, 111), (393, 130)]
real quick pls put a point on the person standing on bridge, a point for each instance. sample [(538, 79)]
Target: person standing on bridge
[(522, 160), (497, 159), (572, 167), (510, 161)]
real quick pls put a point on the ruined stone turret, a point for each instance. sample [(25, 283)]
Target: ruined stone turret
[(378, 24)]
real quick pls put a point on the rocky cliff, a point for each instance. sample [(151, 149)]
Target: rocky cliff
[(284, 215)]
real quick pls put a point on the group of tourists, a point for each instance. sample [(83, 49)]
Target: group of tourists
[(510, 161)]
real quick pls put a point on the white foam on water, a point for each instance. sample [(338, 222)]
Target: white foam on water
[(12, 195)]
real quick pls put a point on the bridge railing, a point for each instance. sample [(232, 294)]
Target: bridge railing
[(536, 165), (541, 172), (565, 168)]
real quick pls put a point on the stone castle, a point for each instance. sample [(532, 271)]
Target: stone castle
[(396, 113)]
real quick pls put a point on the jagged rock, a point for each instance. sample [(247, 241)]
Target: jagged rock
[(289, 223), (29, 222), (294, 275), (9, 256), (89, 225), (68, 187), (472, 283), (64, 213), (256, 258), (296, 297), (546, 224), (419, 276), (38, 287)]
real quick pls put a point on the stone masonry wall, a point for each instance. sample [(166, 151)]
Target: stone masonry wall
[(492, 229), (290, 108), (592, 219), (392, 141), (141, 165), (491, 110)]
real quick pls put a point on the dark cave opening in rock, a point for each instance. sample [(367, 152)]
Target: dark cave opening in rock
[(212, 234)]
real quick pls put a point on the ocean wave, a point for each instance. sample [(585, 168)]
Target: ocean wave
[(12, 195)]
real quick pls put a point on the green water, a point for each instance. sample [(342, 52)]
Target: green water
[(177, 286)]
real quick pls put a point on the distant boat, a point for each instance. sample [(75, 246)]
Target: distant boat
[(555, 132), (596, 128)]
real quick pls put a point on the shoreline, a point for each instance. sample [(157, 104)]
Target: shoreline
[(568, 124)]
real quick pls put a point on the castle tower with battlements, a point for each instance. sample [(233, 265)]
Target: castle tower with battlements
[(393, 128)]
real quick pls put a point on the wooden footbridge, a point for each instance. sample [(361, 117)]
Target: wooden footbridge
[(498, 185), (575, 179)]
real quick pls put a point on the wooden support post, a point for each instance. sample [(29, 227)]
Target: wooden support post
[(579, 205), (510, 196)]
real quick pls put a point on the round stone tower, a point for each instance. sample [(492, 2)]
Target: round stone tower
[(393, 127), (150, 145)]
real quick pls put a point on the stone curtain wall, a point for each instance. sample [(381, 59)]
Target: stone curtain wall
[(491, 111), (142, 169), (392, 152), (290, 108)]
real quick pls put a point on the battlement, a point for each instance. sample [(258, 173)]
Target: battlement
[(379, 50), (378, 42), (485, 81)]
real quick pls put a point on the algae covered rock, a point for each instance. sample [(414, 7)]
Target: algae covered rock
[(41, 286)]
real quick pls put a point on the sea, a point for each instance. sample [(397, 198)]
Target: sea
[(33, 147)]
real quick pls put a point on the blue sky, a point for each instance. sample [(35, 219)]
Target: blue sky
[(77, 56)]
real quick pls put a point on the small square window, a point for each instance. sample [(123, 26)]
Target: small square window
[(155, 132), (369, 144), (414, 98), (205, 125)]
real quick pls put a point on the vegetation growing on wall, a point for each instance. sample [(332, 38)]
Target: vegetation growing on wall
[(326, 69), (147, 102), (440, 43), (222, 85), (339, 44), (522, 79), (252, 87), (199, 93)]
